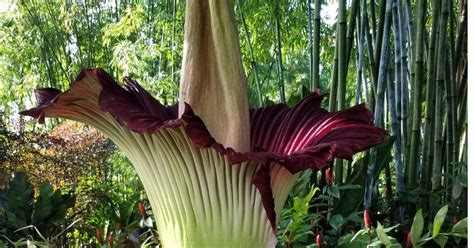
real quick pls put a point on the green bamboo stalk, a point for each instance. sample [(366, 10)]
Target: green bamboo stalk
[(341, 76), (439, 113), (253, 62), (310, 42), (316, 46), (462, 106), (334, 77), (404, 78), (395, 131), (379, 35), (360, 55), (428, 144), (370, 55), (280, 61), (350, 30), (373, 20), (342, 56), (451, 93), (379, 102), (417, 85), (451, 123), (397, 30), (460, 33), (410, 29)]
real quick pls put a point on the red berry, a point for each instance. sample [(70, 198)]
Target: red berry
[(141, 207), (318, 240), (367, 222), (111, 239), (98, 235), (409, 242), (329, 178)]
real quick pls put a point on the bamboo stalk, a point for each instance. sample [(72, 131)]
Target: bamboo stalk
[(310, 42), (253, 62), (360, 55), (334, 77), (351, 28), (417, 85), (379, 35), (341, 76), (280, 62), (316, 46), (409, 28), (451, 93), (370, 55), (342, 56), (451, 123), (439, 113), (395, 131), (430, 101), (379, 102), (373, 20)]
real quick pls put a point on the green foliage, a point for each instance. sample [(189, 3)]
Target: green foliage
[(296, 222), (43, 216), (46, 43)]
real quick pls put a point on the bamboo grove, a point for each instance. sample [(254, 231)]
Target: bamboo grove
[(406, 59), (411, 68)]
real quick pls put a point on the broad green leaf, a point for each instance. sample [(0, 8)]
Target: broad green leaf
[(360, 232), (389, 229), (43, 204), (381, 234), (377, 243), (439, 220), (441, 240), (460, 229), (417, 227), (336, 221), (356, 241), (334, 191), (20, 198), (457, 188)]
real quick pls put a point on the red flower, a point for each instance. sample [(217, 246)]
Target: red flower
[(111, 239), (98, 235), (409, 242), (318, 240), (329, 178), (141, 207), (367, 222)]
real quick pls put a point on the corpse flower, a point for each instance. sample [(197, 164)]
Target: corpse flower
[(216, 173)]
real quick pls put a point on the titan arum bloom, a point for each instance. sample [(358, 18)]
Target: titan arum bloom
[(216, 173)]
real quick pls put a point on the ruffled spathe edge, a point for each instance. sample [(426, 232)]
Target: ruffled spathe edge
[(299, 138)]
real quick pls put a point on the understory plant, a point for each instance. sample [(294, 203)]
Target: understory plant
[(216, 173), (39, 219)]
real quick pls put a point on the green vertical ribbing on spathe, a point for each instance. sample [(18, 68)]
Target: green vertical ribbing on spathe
[(197, 197), (341, 76), (417, 85)]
